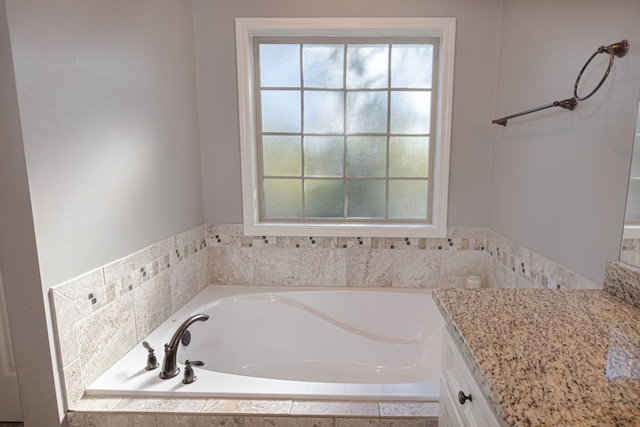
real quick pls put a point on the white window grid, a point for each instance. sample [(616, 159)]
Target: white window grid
[(345, 90)]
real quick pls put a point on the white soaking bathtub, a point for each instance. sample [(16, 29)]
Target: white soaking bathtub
[(305, 343)]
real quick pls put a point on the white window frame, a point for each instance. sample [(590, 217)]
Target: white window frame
[(249, 28)]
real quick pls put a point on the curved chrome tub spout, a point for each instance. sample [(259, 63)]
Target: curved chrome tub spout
[(169, 364)]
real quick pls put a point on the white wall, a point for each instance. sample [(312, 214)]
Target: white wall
[(476, 69), (108, 105), (19, 258), (559, 178), (100, 154)]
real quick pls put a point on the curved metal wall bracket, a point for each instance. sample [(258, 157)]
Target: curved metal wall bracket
[(619, 50)]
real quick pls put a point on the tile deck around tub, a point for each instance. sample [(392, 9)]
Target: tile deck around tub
[(99, 411)]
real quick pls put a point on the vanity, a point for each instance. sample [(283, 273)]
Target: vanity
[(539, 357)]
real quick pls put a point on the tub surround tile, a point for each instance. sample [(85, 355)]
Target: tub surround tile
[(160, 405), (478, 234), (82, 285), (370, 267), (187, 279), (362, 409), (416, 269), (102, 314), (409, 409), (623, 281), (323, 267), (456, 266), (241, 406), (276, 266), (95, 404), (513, 265), (65, 326), (105, 336), (152, 304), (244, 260), (485, 250), (230, 266), (221, 254), (547, 347), (73, 383)]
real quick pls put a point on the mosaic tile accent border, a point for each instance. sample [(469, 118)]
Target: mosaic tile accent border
[(511, 265), (102, 314), (459, 238)]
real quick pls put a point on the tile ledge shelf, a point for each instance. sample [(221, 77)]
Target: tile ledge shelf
[(100, 410)]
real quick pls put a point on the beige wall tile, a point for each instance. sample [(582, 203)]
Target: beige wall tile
[(370, 267), (276, 266), (416, 268), (105, 336), (323, 267), (65, 327), (456, 265), (73, 384), (152, 304), (230, 265)]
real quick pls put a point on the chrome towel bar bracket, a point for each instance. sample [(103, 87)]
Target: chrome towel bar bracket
[(619, 50)]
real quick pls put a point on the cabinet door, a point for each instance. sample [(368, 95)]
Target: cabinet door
[(448, 416), (457, 378)]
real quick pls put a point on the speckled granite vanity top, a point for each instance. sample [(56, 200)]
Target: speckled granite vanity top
[(550, 357)]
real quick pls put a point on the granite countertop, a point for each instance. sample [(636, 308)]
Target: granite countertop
[(550, 357)]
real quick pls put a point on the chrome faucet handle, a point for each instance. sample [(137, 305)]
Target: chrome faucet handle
[(152, 362), (189, 376)]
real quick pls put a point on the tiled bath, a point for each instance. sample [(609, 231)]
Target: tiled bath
[(106, 312)]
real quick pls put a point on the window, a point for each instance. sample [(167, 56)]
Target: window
[(345, 125)]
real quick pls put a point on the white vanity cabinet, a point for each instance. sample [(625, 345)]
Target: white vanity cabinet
[(462, 402)]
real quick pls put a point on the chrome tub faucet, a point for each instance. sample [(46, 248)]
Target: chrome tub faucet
[(169, 364)]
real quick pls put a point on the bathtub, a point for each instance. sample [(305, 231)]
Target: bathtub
[(304, 343)]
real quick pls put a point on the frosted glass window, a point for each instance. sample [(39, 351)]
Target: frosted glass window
[(368, 66), (282, 155), (324, 198), (280, 65), (283, 198), (324, 155), (366, 156), (409, 156), (281, 111), (366, 199), (345, 129), (411, 66), (323, 66), (323, 112), (367, 112), (410, 112), (408, 199)]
